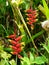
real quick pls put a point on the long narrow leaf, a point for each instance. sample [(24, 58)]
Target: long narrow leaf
[(46, 9)]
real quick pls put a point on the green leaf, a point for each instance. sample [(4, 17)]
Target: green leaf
[(26, 60), (23, 63), (1, 47), (5, 55), (31, 58), (46, 9), (3, 29), (40, 60), (46, 48), (12, 62), (41, 8), (2, 62), (36, 35)]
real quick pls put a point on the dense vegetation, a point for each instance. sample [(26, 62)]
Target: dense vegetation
[(24, 32)]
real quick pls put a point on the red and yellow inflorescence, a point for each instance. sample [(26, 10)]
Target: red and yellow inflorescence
[(32, 15), (16, 45)]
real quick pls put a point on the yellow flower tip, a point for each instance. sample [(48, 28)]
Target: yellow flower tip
[(22, 36), (7, 36), (27, 22), (25, 10), (10, 46), (27, 18), (32, 28), (26, 14), (22, 48), (23, 43), (36, 19), (36, 10), (9, 40), (11, 52), (36, 15)]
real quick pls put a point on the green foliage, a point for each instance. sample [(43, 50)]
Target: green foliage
[(2, 7), (34, 60), (12, 62), (46, 47), (46, 9), (13, 19)]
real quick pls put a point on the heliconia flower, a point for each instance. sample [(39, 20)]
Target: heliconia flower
[(22, 44), (28, 11), (16, 45), (14, 53), (18, 38), (14, 48), (12, 36), (22, 47), (29, 19), (34, 20), (12, 42), (33, 12), (30, 23), (19, 50), (31, 16)]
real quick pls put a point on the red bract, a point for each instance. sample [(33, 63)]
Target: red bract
[(13, 42), (30, 23), (32, 14), (34, 20), (29, 10), (18, 38), (33, 17), (16, 45), (12, 36), (19, 50), (14, 53), (14, 48), (30, 19)]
